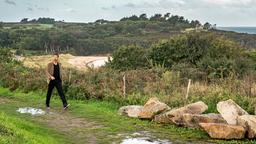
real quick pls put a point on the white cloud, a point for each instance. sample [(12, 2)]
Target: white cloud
[(232, 3), (221, 12), (70, 10), (10, 2)]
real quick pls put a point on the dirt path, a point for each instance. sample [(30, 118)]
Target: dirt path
[(4, 100), (75, 127), (78, 129)]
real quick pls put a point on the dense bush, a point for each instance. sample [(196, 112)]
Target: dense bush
[(217, 57), (196, 55), (5, 55), (131, 57)]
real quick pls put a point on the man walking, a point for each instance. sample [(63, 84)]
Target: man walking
[(54, 79)]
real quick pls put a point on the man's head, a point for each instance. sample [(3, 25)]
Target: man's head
[(56, 57)]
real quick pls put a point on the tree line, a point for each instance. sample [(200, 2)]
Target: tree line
[(101, 36)]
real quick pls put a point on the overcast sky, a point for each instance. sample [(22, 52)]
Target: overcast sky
[(220, 12)]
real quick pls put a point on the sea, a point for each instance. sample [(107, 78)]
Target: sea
[(248, 30)]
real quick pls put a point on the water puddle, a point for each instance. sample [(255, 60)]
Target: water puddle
[(32, 111), (144, 140), (143, 137)]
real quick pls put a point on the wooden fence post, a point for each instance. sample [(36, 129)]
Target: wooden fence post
[(124, 85), (189, 83)]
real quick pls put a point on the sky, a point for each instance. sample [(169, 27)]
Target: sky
[(220, 12)]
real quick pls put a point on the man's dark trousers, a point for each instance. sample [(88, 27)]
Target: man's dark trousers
[(58, 85)]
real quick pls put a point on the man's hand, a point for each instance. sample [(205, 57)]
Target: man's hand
[(52, 78)]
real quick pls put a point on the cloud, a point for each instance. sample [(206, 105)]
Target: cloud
[(171, 3), (130, 5), (43, 9), (167, 4), (10, 2), (229, 2), (70, 10), (30, 9), (109, 8)]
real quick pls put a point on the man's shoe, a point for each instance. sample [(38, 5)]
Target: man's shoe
[(48, 109), (66, 107)]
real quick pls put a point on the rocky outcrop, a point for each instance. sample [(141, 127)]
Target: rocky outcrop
[(152, 107), (193, 120), (175, 115), (249, 123), (223, 131), (230, 111), (130, 111), (233, 122)]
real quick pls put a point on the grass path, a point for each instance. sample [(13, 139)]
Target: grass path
[(85, 122)]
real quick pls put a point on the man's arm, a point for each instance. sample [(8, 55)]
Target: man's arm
[(49, 76), (63, 72)]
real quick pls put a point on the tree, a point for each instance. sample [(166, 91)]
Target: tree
[(24, 20), (195, 23), (134, 18), (31, 43), (143, 17), (101, 21), (166, 16), (46, 20), (207, 26), (5, 40), (1, 25), (45, 41), (66, 41), (157, 17)]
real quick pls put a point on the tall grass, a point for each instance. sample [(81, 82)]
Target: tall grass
[(107, 84)]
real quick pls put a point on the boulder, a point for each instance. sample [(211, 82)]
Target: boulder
[(163, 118), (152, 107), (175, 115), (223, 131), (229, 110), (193, 120), (249, 123), (130, 111)]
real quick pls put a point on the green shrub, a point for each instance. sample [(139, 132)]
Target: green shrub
[(201, 53), (131, 57)]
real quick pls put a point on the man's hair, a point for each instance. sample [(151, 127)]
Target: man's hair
[(56, 53)]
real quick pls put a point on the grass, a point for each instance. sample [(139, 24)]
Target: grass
[(30, 26), (15, 130), (101, 112)]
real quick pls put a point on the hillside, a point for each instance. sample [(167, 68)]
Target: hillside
[(99, 37), (102, 36)]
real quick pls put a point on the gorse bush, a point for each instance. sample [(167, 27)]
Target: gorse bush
[(216, 56), (131, 57), (192, 54), (5, 55)]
